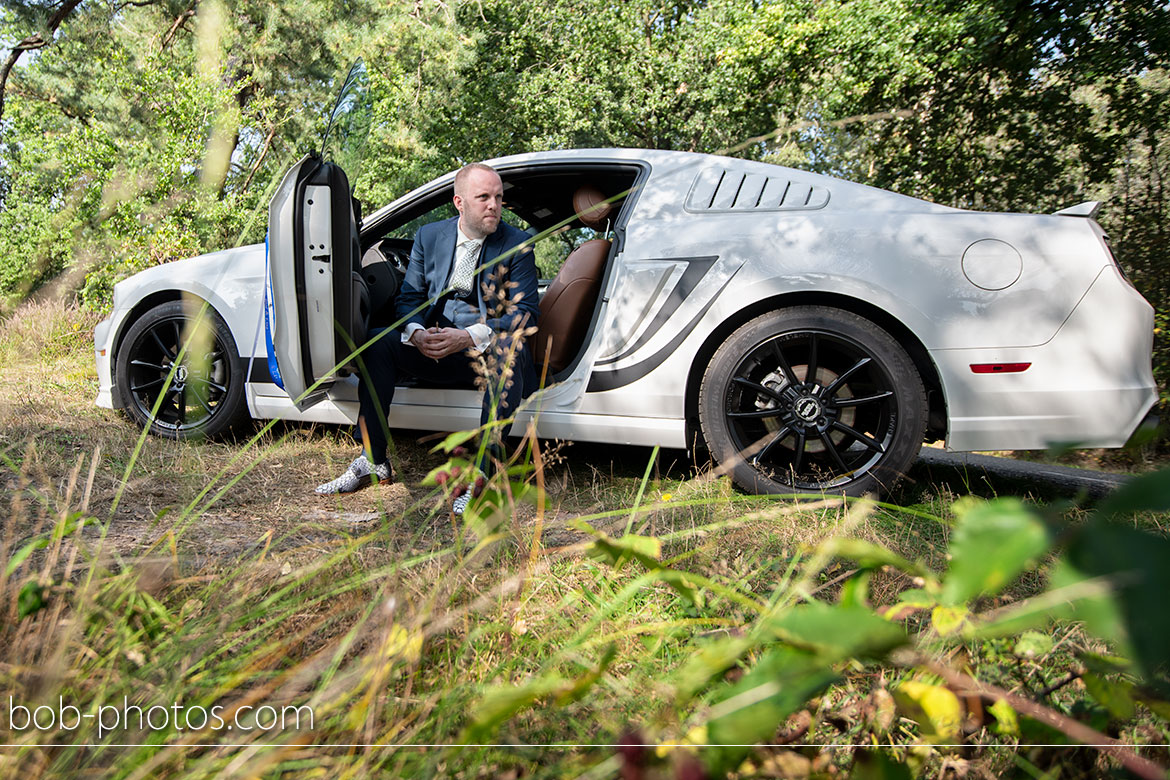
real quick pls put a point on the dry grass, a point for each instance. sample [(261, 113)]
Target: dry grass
[(212, 573), (49, 425)]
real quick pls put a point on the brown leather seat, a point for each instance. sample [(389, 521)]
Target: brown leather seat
[(567, 306)]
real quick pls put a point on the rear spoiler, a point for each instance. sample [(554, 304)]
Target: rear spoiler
[(1088, 209)]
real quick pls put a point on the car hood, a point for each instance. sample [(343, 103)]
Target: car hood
[(208, 270)]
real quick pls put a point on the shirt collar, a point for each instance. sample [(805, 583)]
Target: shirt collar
[(463, 239)]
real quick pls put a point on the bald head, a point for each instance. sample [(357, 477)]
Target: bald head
[(479, 198), (464, 173)]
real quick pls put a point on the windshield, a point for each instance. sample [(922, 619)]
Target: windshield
[(349, 124)]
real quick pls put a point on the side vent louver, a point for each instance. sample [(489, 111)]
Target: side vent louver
[(717, 189)]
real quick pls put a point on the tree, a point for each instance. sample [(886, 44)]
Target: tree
[(41, 20)]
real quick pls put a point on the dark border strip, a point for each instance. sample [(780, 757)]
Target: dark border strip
[(697, 268), (601, 381)]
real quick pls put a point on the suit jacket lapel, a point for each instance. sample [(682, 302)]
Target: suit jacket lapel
[(444, 256), (492, 248)]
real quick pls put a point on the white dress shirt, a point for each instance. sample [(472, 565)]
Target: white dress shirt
[(480, 333)]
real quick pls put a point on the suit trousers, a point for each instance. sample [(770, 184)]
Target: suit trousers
[(388, 359)]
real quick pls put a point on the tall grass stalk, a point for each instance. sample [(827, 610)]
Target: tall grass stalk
[(480, 638)]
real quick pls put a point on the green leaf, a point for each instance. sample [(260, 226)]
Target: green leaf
[(1134, 562), (855, 591), (1115, 696), (935, 708), (1104, 664), (647, 550), (1157, 706), (1099, 612), (871, 556), (778, 685), (499, 704), (948, 620), (836, 632), (30, 599), (484, 513), (909, 601), (711, 660), (1147, 493), (457, 439), (916, 597), (1033, 644), (683, 584), (877, 765), (991, 544), (22, 554), (1007, 723)]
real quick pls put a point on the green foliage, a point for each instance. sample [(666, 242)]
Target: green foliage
[(935, 708), (749, 711), (799, 649), (835, 633), (990, 546), (1134, 562), (148, 133), (705, 640), (144, 132), (30, 599)]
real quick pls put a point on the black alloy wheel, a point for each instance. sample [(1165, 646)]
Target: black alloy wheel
[(812, 399), (186, 353)]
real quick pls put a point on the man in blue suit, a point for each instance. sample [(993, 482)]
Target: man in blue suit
[(470, 288)]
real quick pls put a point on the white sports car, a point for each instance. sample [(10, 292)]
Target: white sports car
[(811, 332)]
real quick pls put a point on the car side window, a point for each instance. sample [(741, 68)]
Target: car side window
[(551, 250), (407, 230), (555, 248)]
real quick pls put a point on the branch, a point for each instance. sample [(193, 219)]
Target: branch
[(178, 23), (259, 159), (1142, 767), (51, 99), (34, 41), (1056, 686), (135, 3)]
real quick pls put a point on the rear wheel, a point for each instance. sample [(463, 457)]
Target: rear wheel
[(185, 354), (812, 399)]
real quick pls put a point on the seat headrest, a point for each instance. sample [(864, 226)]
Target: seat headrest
[(591, 207)]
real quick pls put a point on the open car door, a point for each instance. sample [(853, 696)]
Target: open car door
[(316, 305)]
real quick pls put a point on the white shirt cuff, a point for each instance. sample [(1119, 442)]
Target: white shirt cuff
[(411, 327), (481, 334)]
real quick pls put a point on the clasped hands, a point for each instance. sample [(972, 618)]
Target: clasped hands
[(438, 343)]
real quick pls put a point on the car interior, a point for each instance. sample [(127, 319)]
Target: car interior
[(575, 213)]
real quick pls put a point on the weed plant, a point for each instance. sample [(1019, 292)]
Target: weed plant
[(177, 610)]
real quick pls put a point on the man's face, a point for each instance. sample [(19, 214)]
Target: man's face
[(479, 201)]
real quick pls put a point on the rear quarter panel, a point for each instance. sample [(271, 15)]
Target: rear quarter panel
[(899, 254)]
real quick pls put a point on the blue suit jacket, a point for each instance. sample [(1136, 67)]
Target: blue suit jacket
[(430, 268)]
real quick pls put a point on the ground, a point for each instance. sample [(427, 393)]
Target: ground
[(51, 433), (237, 575)]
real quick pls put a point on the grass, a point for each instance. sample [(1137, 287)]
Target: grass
[(428, 642)]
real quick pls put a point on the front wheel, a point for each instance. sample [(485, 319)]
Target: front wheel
[(184, 353), (812, 399)]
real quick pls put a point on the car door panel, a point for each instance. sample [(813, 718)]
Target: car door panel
[(316, 302)]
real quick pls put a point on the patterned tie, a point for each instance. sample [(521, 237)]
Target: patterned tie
[(465, 268)]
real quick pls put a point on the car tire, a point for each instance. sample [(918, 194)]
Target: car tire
[(853, 428), (204, 394)]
